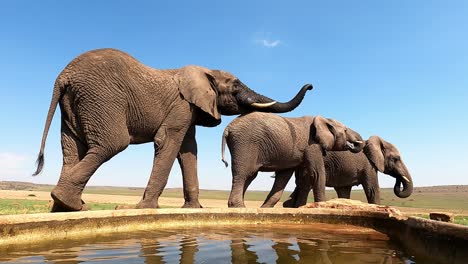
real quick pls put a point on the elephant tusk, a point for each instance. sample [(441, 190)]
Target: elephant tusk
[(359, 142), (263, 105), (405, 178)]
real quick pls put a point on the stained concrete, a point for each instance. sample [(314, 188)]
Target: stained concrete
[(427, 239)]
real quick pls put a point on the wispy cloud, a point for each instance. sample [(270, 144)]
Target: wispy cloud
[(13, 164), (269, 43)]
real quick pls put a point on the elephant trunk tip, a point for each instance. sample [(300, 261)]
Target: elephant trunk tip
[(308, 86), (225, 163), (407, 187)]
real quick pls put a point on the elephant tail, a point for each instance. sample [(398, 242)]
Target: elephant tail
[(223, 146), (57, 94)]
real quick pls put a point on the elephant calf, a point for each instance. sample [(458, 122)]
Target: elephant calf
[(344, 170), (268, 142)]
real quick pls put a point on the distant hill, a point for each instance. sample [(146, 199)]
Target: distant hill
[(452, 197), (16, 185)]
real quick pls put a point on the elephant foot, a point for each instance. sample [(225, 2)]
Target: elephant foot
[(147, 204), (236, 205), (195, 204), (59, 207), (290, 203), (267, 206), (66, 201)]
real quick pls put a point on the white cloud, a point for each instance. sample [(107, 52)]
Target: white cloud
[(269, 43), (13, 164), (11, 160)]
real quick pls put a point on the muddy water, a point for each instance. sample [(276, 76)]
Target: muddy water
[(319, 243)]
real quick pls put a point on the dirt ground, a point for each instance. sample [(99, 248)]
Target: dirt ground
[(172, 202), (118, 199)]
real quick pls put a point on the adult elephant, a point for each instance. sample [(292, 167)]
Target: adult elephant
[(109, 100), (268, 142), (345, 170)]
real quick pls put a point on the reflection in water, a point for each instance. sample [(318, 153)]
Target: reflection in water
[(233, 244)]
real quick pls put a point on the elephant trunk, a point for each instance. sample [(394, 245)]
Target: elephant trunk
[(407, 186), (355, 143), (257, 102)]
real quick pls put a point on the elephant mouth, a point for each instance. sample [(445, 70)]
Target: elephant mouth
[(404, 178), (254, 104)]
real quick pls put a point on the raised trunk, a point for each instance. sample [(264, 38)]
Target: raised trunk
[(257, 102), (407, 187)]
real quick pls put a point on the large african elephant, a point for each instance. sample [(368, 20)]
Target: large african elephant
[(345, 170), (109, 100), (268, 142)]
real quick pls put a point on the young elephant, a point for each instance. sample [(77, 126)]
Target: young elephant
[(268, 142), (345, 170)]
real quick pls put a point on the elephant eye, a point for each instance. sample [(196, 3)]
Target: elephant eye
[(236, 84)]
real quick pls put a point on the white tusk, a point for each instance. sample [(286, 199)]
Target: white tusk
[(263, 105), (359, 142), (406, 179)]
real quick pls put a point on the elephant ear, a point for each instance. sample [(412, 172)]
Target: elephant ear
[(320, 133), (374, 152), (196, 85)]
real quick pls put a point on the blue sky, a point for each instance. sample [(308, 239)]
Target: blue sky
[(397, 69)]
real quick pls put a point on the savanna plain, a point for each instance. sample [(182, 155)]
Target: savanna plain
[(24, 197)]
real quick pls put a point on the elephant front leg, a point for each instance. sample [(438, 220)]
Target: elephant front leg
[(343, 192), (187, 158), (317, 179), (315, 170), (301, 192), (167, 144), (281, 180), (372, 191)]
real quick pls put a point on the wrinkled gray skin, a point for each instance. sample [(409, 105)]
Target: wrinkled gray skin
[(268, 142), (109, 100), (345, 169)]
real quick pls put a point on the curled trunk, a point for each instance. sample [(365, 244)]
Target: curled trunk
[(357, 146), (354, 143), (407, 186)]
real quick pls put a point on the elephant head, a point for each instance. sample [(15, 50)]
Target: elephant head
[(218, 93), (334, 136), (386, 158)]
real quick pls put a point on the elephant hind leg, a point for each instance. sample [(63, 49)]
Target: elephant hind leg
[(343, 192), (67, 193), (241, 179), (281, 180), (249, 180), (244, 169), (240, 182), (73, 151)]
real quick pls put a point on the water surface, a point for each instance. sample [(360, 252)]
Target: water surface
[(317, 243)]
